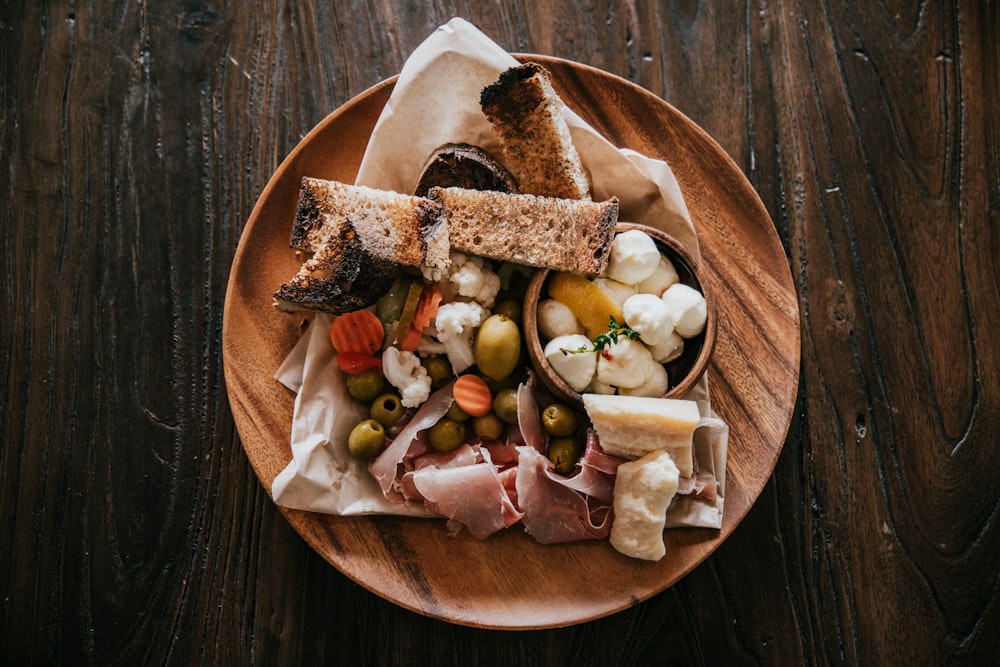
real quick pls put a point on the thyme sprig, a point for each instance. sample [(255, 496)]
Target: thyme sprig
[(610, 337)]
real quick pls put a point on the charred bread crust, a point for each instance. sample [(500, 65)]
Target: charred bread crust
[(358, 237), (526, 114), (464, 166), (545, 232), (339, 278), (393, 225)]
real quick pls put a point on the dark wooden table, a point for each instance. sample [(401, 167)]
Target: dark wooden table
[(135, 139)]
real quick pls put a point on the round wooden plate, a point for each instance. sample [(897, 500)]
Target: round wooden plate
[(509, 581)]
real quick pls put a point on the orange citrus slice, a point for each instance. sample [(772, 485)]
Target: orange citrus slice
[(591, 305)]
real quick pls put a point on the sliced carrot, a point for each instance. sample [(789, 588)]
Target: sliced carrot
[(412, 340), (357, 331), (472, 395), (427, 307)]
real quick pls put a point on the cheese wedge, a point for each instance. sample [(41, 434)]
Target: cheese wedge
[(643, 491), (633, 426)]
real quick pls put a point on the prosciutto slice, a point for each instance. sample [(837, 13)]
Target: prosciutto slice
[(553, 511), (408, 444), (471, 495)]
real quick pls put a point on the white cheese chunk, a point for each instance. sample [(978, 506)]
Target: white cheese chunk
[(649, 317), (663, 277), (556, 319), (575, 367), (643, 491), (633, 426), (633, 257), (623, 363), (688, 307)]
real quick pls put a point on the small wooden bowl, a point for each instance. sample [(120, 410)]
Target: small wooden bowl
[(683, 372)]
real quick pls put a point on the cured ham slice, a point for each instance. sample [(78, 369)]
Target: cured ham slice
[(471, 495), (408, 444), (554, 512)]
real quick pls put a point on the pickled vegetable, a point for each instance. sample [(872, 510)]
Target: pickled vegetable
[(387, 409), (446, 435), (366, 385), (366, 440), (564, 452), (497, 347)]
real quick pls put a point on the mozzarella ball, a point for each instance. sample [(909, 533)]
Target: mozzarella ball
[(556, 319), (617, 363), (633, 257), (649, 317), (656, 384), (574, 367), (669, 349), (663, 277), (688, 307)]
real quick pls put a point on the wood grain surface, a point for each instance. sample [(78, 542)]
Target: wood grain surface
[(135, 139)]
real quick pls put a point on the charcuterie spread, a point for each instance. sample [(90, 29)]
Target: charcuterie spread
[(418, 330)]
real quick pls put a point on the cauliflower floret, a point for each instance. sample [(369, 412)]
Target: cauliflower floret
[(404, 371), (556, 319), (574, 366), (617, 363), (471, 277), (455, 323), (650, 317)]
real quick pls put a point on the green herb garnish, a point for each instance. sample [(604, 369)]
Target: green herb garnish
[(608, 338)]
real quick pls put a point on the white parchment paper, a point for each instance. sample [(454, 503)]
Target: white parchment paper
[(436, 101)]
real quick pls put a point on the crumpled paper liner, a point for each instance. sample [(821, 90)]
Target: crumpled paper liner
[(436, 101)]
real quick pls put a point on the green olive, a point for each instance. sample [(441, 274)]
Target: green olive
[(497, 347), (438, 368), (509, 307), (505, 405), (366, 385), (366, 440), (446, 435), (564, 453), (488, 427), (457, 414), (387, 409), (559, 420)]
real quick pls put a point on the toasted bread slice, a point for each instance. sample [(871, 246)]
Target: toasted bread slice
[(545, 232), (359, 236), (464, 166), (526, 114)]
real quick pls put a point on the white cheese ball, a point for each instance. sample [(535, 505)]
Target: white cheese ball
[(620, 364), (688, 307), (663, 277), (598, 387), (643, 491), (616, 291), (649, 317), (669, 349), (575, 368), (633, 257), (656, 384), (556, 319)]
